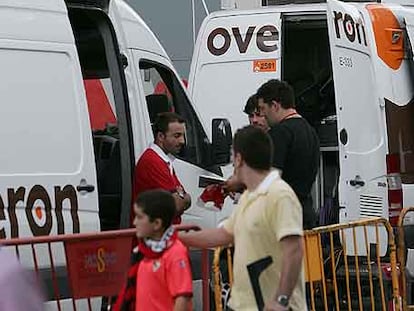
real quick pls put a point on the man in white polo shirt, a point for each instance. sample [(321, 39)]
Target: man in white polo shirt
[(266, 229)]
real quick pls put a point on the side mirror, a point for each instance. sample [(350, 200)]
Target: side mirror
[(222, 139)]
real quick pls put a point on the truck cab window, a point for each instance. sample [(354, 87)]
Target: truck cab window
[(163, 93)]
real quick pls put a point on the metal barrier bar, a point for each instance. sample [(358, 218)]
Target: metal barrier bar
[(218, 276), (379, 264), (17, 251), (97, 237), (333, 266), (325, 299), (401, 256), (353, 226), (205, 277), (217, 282), (89, 304), (395, 281), (342, 273), (230, 265), (357, 269), (36, 266), (68, 237), (371, 285), (348, 289), (55, 284), (308, 267)]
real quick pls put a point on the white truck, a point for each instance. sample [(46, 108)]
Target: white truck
[(68, 68), (350, 65), (61, 162)]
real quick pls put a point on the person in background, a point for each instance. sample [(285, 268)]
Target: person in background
[(265, 229), (155, 169), (160, 276), (296, 142), (19, 290), (255, 118)]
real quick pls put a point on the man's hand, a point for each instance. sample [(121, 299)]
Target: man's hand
[(273, 305), (182, 200), (232, 185), (207, 238)]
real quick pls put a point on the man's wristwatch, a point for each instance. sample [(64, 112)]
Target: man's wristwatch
[(180, 193), (283, 300)]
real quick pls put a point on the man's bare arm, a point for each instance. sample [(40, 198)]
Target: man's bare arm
[(207, 238), (182, 303), (292, 250), (232, 185), (182, 204)]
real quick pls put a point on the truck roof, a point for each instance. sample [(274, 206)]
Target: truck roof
[(41, 5), (306, 7), (281, 2), (102, 4), (138, 34)]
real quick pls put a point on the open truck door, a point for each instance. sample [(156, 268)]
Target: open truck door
[(363, 183), (234, 55), (405, 126), (157, 88)]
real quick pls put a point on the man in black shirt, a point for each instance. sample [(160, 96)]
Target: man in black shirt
[(295, 141)]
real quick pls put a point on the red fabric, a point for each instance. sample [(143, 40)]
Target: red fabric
[(100, 110), (127, 296), (152, 172), (213, 193), (161, 88), (164, 279)]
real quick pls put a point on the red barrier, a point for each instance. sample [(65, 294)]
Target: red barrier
[(96, 263)]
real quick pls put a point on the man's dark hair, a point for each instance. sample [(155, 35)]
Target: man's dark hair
[(251, 105), (157, 204), (255, 147), (279, 91), (163, 120)]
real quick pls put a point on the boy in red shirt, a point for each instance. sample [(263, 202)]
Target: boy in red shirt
[(160, 278)]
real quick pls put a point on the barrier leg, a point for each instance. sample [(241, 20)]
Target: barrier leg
[(205, 278)]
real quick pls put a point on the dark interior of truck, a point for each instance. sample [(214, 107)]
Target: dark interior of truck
[(307, 67)]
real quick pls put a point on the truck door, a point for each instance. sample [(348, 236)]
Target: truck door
[(362, 149), (405, 127), (153, 87), (48, 179), (164, 92), (234, 55), (404, 135)]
